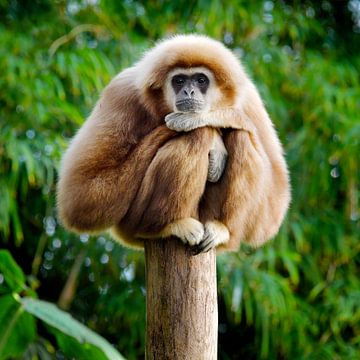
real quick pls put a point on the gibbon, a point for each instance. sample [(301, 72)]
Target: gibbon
[(179, 145)]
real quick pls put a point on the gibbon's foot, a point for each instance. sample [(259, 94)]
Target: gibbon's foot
[(189, 231), (216, 233)]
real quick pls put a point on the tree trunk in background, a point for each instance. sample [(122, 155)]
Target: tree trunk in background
[(181, 302)]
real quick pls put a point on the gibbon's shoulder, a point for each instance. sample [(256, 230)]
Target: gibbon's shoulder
[(121, 93), (122, 83), (189, 51)]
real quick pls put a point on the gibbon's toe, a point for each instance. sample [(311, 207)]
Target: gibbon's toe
[(191, 232), (215, 233), (207, 243)]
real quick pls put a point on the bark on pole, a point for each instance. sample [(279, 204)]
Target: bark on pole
[(181, 302)]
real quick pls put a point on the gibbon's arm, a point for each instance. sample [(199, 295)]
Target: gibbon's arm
[(97, 184), (167, 202), (222, 118), (106, 161), (256, 180)]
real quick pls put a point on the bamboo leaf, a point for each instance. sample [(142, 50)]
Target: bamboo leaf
[(13, 275), (64, 322), (17, 328)]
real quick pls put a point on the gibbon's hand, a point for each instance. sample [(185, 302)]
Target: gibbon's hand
[(185, 121), (220, 119), (217, 163)]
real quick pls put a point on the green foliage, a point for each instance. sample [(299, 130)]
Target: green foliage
[(60, 320), (18, 328), (12, 275), (296, 298)]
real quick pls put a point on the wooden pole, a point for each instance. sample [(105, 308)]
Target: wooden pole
[(181, 302)]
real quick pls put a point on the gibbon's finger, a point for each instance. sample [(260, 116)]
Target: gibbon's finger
[(206, 244)]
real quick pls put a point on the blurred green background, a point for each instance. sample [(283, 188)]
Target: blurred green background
[(296, 298)]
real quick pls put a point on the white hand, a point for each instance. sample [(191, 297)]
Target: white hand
[(217, 163), (182, 121)]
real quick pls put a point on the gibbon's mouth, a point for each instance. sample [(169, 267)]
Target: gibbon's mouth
[(189, 105)]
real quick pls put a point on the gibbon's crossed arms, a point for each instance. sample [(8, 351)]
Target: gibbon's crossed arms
[(179, 144)]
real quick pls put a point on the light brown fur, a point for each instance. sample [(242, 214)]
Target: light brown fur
[(127, 171)]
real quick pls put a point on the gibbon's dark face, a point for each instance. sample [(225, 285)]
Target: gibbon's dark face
[(190, 91)]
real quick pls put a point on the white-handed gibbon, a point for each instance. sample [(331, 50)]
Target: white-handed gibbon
[(179, 145)]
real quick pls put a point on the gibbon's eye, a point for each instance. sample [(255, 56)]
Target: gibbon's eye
[(178, 80), (202, 79)]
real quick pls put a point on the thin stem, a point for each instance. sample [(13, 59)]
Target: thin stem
[(10, 327)]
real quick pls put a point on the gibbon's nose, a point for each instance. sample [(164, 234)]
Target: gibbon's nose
[(189, 92)]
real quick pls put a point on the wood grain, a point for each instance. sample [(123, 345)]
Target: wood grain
[(182, 315)]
